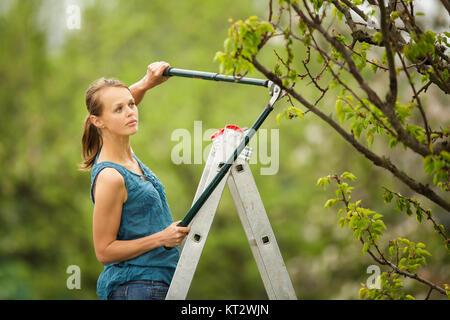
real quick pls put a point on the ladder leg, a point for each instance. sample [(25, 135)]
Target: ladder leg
[(204, 180), (195, 241), (193, 246), (259, 233)]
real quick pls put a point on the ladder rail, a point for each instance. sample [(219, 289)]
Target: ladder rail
[(253, 218), (259, 233)]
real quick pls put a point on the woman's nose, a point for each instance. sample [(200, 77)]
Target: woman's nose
[(130, 111)]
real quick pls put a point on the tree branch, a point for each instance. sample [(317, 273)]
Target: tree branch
[(355, 9), (403, 135), (377, 160), (382, 260), (408, 20), (362, 35), (446, 4), (391, 97), (427, 212), (419, 103)]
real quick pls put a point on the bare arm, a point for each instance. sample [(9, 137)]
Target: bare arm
[(153, 77), (109, 195)]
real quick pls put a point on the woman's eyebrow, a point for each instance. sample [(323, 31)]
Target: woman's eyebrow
[(118, 104)]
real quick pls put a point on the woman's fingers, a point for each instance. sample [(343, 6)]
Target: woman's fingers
[(184, 229), (176, 234), (157, 68)]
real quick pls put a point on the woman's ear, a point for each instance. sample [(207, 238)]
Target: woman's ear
[(96, 121)]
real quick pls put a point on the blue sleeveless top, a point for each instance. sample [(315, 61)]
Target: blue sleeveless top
[(143, 213)]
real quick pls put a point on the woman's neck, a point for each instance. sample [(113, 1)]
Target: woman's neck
[(116, 149)]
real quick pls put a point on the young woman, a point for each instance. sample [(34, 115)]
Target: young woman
[(132, 221)]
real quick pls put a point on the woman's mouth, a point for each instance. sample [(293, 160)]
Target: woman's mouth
[(132, 123)]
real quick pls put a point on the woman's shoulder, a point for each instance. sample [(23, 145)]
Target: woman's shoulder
[(109, 181), (110, 175), (110, 167)]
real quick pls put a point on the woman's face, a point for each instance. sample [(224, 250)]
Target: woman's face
[(120, 113)]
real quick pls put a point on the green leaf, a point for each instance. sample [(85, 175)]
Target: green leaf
[(445, 155), (447, 290), (400, 204), (391, 250), (342, 221), (380, 224), (369, 138), (278, 118), (377, 216), (330, 203), (365, 247), (373, 66), (340, 111), (377, 38), (296, 112), (317, 4), (425, 252), (419, 215), (394, 15), (392, 142), (387, 196), (404, 241), (323, 182), (428, 164), (356, 127), (340, 38), (363, 291), (348, 175)]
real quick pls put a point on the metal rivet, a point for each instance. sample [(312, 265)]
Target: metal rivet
[(197, 237)]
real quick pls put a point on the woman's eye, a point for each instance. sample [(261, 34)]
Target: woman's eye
[(119, 109), (132, 104)]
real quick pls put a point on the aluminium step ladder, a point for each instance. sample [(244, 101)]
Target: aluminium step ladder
[(251, 212)]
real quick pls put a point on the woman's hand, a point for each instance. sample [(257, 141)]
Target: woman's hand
[(173, 234), (154, 75)]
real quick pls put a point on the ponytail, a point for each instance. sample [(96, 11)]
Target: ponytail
[(91, 144), (91, 141)]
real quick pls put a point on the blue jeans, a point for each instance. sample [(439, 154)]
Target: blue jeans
[(140, 290)]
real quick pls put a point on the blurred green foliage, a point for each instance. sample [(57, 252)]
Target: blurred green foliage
[(45, 209)]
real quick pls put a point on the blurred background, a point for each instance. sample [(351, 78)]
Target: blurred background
[(45, 209)]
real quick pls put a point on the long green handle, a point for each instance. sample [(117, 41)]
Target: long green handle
[(223, 171), (214, 76)]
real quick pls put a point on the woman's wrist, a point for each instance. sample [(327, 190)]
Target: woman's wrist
[(146, 84), (152, 78), (156, 240), (139, 89)]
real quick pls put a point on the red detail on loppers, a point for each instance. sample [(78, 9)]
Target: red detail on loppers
[(217, 133), (235, 128)]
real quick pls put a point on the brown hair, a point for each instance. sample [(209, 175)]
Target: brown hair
[(92, 140)]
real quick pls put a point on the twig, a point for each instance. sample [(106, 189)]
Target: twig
[(429, 293), (382, 260), (419, 103), (424, 88), (376, 160), (403, 135), (427, 212), (392, 94)]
